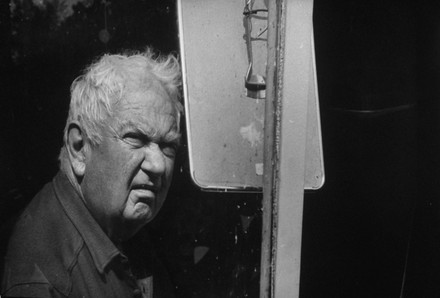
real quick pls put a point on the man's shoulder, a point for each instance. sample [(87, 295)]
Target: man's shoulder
[(44, 230), (43, 247), (36, 286)]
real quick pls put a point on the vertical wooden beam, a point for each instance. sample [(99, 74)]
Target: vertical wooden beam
[(285, 145), (269, 153)]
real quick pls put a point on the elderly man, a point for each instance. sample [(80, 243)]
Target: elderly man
[(116, 165)]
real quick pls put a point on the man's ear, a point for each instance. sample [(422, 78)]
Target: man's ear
[(76, 148)]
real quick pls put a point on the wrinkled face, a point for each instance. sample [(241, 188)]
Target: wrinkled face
[(127, 176)]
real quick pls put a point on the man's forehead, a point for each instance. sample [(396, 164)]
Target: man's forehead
[(147, 123), (157, 102), (151, 112), (147, 103), (164, 128)]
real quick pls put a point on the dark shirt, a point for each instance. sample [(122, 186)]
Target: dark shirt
[(57, 249)]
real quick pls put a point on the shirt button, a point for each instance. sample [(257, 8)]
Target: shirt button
[(137, 293)]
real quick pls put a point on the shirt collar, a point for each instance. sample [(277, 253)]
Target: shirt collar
[(101, 248)]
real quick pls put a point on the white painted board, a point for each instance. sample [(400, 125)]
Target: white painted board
[(224, 126)]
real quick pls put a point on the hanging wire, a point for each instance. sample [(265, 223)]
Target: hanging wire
[(248, 8), (105, 14), (250, 13), (248, 27), (104, 34), (254, 83)]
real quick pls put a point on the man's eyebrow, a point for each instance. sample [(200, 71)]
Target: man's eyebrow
[(173, 136), (130, 125), (122, 128)]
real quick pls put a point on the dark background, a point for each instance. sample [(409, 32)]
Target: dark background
[(373, 230)]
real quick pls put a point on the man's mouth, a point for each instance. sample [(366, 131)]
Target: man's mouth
[(145, 193), (148, 187)]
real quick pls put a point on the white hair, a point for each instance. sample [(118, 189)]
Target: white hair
[(96, 93)]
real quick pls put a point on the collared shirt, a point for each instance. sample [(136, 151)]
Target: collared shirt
[(58, 250)]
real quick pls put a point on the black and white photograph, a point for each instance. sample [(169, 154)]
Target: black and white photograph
[(211, 149)]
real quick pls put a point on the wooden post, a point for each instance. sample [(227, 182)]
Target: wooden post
[(288, 77)]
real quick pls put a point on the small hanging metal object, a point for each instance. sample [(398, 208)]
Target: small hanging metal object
[(255, 84), (104, 36)]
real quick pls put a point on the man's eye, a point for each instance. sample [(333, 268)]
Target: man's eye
[(169, 150), (133, 140)]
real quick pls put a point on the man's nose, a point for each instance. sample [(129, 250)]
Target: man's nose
[(154, 160)]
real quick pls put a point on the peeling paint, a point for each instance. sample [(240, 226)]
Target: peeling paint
[(259, 169), (252, 134)]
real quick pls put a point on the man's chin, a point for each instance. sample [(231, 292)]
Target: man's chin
[(142, 211), (133, 222)]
